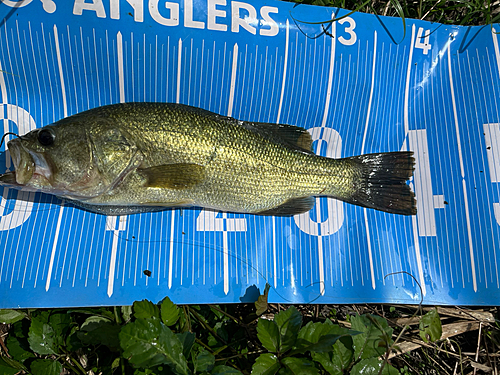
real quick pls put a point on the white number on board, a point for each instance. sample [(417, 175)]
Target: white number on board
[(425, 46), (213, 221), (349, 30), (492, 137), (23, 206), (427, 202)]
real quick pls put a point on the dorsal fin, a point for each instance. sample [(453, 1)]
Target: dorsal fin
[(288, 135)]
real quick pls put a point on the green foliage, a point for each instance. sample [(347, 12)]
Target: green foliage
[(375, 337), (45, 367), (169, 312), (205, 361), (11, 316), (323, 347), (162, 339), (97, 329), (148, 343), (268, 334), (288, 322), (261, 303), (42, 338), (430, 326), (145, 338), (464, 12), (266, 364), (7, 368), (145, 309)]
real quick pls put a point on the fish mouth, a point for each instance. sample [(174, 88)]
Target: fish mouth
[(30, 167), (24, 164)]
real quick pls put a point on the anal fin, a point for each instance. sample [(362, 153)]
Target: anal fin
[(291, 207)]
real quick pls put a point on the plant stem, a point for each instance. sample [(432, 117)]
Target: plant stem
[(203, 323), (117, 315), (228, 315)]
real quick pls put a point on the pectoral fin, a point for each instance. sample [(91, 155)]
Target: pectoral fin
[(173, 176), (290, 207)]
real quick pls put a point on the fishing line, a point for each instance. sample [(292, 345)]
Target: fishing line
[(414, 278), (220, 251)]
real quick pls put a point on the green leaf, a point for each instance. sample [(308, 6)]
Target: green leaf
[(343, 352), (97, 330), (145, 309), (61, 324), (318, 337), (169, 312), (187, 341), (6, 369), (300, 366), (324, 345), (18, 349), (372, 342), (261, 303), (11, 316), (148, 343), (115, 363), (45, 367), (73, 343), (126, 313), (9, 364), (266, 364), (146, 371), (329, 363), (221, 329), (268, 334), (338, 360), (371, 366), (225, 370), (430, 326), (205, 361), (41, 335), (289, 322), (312, 332), (20, 329)]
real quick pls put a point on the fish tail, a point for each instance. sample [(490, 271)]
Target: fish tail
[(382, 182)]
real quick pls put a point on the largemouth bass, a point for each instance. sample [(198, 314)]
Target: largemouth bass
[(140, 157)]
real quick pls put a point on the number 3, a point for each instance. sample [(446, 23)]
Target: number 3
[(350, 30)]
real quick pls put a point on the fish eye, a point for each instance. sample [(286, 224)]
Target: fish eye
[(46, 137)]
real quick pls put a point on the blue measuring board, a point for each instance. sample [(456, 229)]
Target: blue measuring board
[(361, 84)]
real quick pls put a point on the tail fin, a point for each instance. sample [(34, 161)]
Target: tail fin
[(382, 184)]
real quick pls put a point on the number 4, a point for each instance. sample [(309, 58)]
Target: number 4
[(208, 221), (425, 46)]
